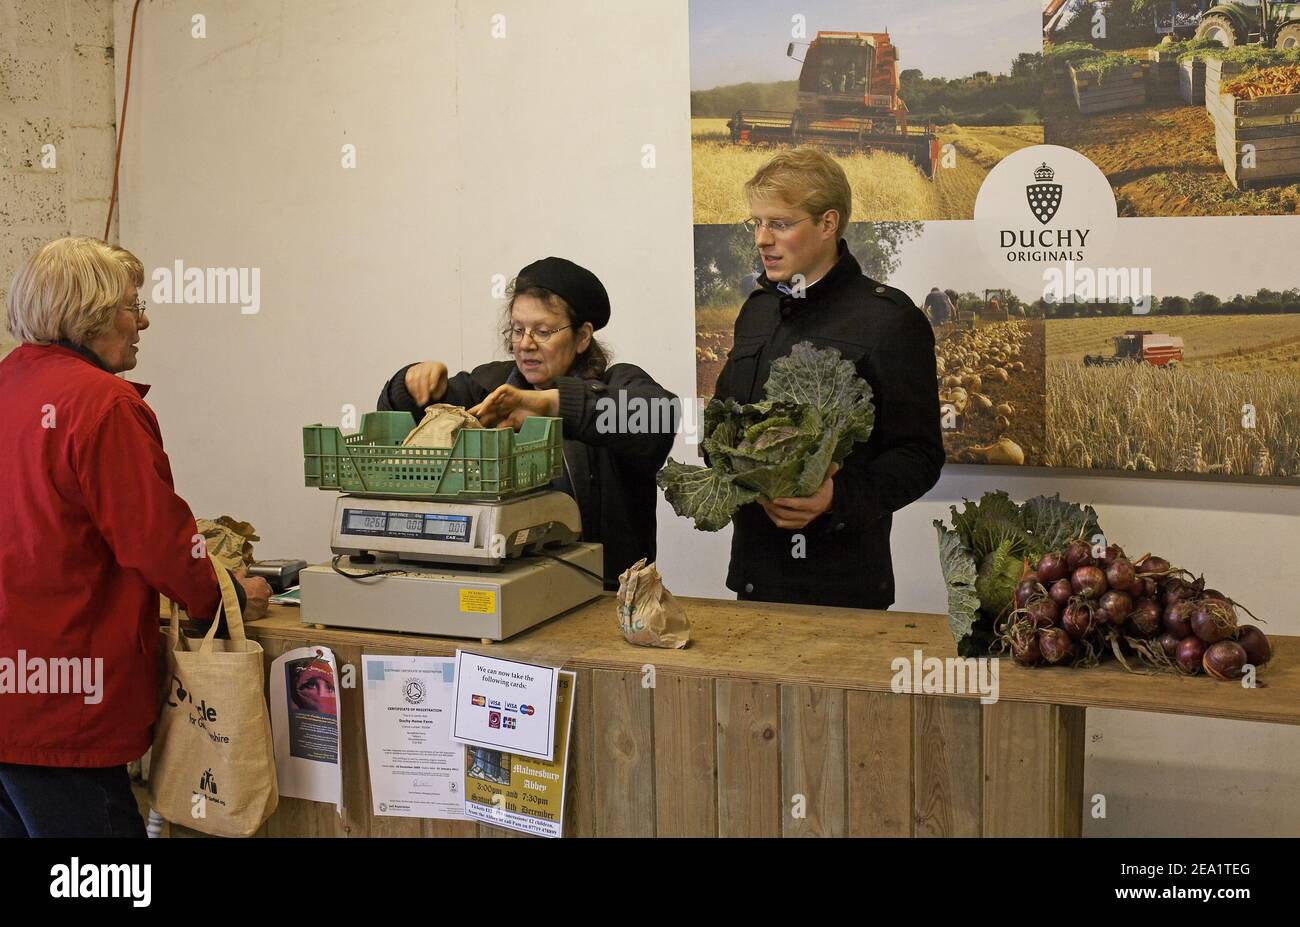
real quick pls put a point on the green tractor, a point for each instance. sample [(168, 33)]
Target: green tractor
[(1274, 25)]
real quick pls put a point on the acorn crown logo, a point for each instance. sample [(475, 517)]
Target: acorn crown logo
[(1044, 174)]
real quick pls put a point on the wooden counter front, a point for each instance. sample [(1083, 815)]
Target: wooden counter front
[(779, 720)]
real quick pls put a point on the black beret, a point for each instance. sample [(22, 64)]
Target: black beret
[(577, 286)]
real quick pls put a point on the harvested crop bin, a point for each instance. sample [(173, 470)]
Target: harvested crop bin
[(1191, 81), (1256, 123), (1163, 74), (1104, 84), (1218, 71)]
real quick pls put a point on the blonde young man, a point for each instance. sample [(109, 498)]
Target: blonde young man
[(812, 289)]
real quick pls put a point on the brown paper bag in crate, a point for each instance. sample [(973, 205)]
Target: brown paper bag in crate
[(647, 612)]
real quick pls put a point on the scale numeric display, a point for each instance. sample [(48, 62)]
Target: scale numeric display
[(407, 525)]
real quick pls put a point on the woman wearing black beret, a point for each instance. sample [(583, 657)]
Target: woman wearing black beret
[(560, 369)]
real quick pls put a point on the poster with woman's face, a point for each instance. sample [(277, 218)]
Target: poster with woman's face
[(313, 709)]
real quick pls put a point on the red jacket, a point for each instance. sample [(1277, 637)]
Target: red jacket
[(91, 529)]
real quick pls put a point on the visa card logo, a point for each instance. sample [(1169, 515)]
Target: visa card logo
[(511, 706), (478, 700), (493, 703)]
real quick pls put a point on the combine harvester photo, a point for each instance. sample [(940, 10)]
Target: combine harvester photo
[(1138, 347), (847, 101)]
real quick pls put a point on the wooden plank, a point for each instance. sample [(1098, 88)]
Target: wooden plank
[(1270, 139), (1103, 97), (812, 761), (1272, 105), (623, 713), (355, 771), (842, 648), (435, 827), (878, 747), (750, 803), (947, 752), (580, 792), (686, 767), (1032, 787), (1071, 750)]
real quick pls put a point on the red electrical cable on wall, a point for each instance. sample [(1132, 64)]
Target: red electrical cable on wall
[(121, 122)]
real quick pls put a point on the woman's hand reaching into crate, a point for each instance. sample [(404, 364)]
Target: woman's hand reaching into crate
[(509, 405), (426, 382)]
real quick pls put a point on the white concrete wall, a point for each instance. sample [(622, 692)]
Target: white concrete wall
[(475, 155), (56, 88)]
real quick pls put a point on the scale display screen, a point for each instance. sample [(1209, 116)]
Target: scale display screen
[(424, 526)]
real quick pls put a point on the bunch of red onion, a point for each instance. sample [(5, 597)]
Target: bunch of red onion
[(1071, 606)]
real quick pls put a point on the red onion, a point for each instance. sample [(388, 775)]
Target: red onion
[(1177, 589), (1112, 553), (1024, 650), (1255, 643), (1077, 619), (1152, 564), (1120, 574), (1169, 644), (1078, 553), (1213, 620), (1061, 592), (1145, 617), (1027, 589), (1188, 657), (1116, 606), (1224, 660), (1088, 581), (1042, 612), (1054, 644), (1178, 617), (1051, 567)]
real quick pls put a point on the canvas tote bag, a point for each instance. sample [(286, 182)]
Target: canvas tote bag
[(213, 765)]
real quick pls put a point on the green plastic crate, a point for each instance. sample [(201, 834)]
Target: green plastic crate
[(485, 463)]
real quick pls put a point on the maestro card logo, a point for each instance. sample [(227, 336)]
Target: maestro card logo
[(1044, 196), (526, 709)]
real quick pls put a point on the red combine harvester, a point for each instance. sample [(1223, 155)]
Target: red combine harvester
[(847, 101), (1138, 347)]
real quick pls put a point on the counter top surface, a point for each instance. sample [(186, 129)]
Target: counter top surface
[(836, 647)]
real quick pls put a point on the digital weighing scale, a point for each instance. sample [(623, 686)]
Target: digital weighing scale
[(478, 569)]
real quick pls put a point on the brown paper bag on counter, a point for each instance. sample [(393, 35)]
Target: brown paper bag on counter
[(647, 612)]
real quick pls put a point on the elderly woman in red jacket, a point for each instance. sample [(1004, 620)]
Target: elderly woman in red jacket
[(92, 531)]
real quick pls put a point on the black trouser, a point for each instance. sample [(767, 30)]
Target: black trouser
[(65, 801)]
